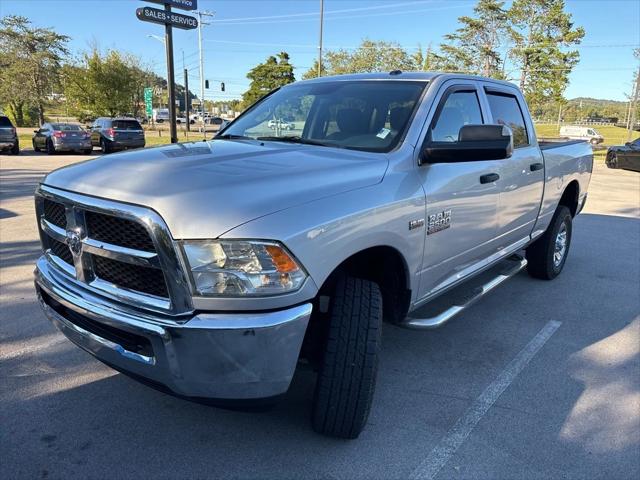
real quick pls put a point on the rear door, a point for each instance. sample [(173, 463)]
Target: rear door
[(95, 132), (521, 176), (461, 210)]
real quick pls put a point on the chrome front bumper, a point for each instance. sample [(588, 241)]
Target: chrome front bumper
[(210, 355)]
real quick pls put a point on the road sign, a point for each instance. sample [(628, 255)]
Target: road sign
[(163, 17), (182, 4), (148, 101)]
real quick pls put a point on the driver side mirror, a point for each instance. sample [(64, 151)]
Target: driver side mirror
[(475, 143)]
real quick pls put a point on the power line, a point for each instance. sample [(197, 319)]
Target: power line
[(314, 14), (338, 47), (403, 12)]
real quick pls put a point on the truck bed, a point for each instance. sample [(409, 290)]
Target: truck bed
[(548, 143)]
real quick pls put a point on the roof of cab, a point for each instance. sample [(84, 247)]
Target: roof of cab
[(399, 75)]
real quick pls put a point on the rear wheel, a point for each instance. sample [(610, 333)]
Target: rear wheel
[(36, 148), (51, 150), (104, 146), (547, 255), (15, 150), (347, 376)]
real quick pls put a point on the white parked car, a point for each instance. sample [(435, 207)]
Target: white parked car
[(273, 124), (575, 132)]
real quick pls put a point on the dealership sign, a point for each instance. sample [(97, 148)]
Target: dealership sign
[(182, 4), (154, 15)]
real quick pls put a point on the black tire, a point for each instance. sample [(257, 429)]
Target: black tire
[(347, 376), (541, 259), (104, 146), (50, 148), (35, 147), (612, 160), (15, 150), (87, 151)]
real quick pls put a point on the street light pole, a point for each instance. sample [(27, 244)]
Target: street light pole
[(200, 24), (320, 43)]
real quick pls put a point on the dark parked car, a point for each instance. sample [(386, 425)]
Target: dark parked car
[(112, 134), (625, 156), (61, 137), (8, 136)]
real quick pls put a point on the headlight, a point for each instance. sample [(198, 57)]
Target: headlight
[(241, 268)]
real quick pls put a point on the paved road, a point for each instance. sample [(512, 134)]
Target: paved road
[(538, 380)]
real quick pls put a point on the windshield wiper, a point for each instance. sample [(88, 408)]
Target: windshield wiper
[(296, 139), (231, 136)]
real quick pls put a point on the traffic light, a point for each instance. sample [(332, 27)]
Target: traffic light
[(206, 84), (222, 86)]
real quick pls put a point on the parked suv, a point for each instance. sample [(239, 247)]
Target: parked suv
[(8, 136), (112, 134)]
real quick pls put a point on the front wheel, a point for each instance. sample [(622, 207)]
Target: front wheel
[(15, 150), (36, 148), (612, 160), (547, 255), (347, 376)]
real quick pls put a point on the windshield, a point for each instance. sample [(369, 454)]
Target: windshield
[(361, 115), (64, 127), (5, 122)]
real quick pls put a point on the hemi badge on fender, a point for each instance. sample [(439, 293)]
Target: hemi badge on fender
[(413, 224)]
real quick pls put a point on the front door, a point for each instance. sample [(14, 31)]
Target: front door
[(460, 203)]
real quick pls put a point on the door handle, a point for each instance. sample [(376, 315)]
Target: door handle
[(489, 178), (536, 166)]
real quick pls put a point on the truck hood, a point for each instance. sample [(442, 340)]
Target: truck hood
[(203, 189)]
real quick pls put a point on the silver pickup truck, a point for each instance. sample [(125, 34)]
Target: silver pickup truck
[(212, 269)]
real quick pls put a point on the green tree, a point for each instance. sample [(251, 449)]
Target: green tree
[(107, 84), (31, 58), (475, 46), (273, 73), (370, 56), (542, 32)]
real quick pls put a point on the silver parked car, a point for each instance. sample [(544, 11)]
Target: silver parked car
[(61, 137)]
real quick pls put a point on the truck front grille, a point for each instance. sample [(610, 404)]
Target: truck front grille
[(55, 213), (61, 250), (133, 277), (118, 231), (121, 250)]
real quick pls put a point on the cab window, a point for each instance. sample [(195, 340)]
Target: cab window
[(506, 111), (459, 109)]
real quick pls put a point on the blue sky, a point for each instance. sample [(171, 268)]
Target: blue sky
[(244, 33)]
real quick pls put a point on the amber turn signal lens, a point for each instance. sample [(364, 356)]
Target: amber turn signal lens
[(282, 261)]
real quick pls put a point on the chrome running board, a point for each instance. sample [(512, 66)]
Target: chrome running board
[(453, 302)]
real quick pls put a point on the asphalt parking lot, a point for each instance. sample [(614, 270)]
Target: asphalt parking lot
[(538, 380)]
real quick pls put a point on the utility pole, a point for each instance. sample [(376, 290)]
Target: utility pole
[(200, 24), (320, 42), (186, 99), (168, 38), (634, 106)]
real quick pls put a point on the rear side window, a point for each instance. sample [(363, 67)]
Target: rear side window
[(506, 111), (459, 109), (5, 122), (126, 125)]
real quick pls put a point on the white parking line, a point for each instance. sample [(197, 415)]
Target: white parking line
[(455, 437)]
